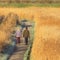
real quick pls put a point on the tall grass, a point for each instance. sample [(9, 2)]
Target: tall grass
[(6, 29)]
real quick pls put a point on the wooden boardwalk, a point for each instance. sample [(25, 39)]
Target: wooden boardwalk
[(21, 49), (19, 52)]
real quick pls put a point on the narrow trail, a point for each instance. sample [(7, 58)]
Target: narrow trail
[(19, 52), (21, 48)]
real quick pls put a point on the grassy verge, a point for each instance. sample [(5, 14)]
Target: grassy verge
[(48, 5), (29, 5), (15, 5)]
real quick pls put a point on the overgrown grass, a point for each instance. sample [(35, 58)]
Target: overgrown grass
[(29, 4)]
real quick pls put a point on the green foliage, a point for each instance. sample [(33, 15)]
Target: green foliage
[(29, 4), (15, 4), (48, 5)]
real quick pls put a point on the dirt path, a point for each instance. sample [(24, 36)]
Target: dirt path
[(19, 52)]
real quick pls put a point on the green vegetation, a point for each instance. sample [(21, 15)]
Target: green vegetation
[(15, 5), (48, 5), (29, 4)]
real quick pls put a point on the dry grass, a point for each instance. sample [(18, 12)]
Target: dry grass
[(6, 29), (46, 44), (47, 35)]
